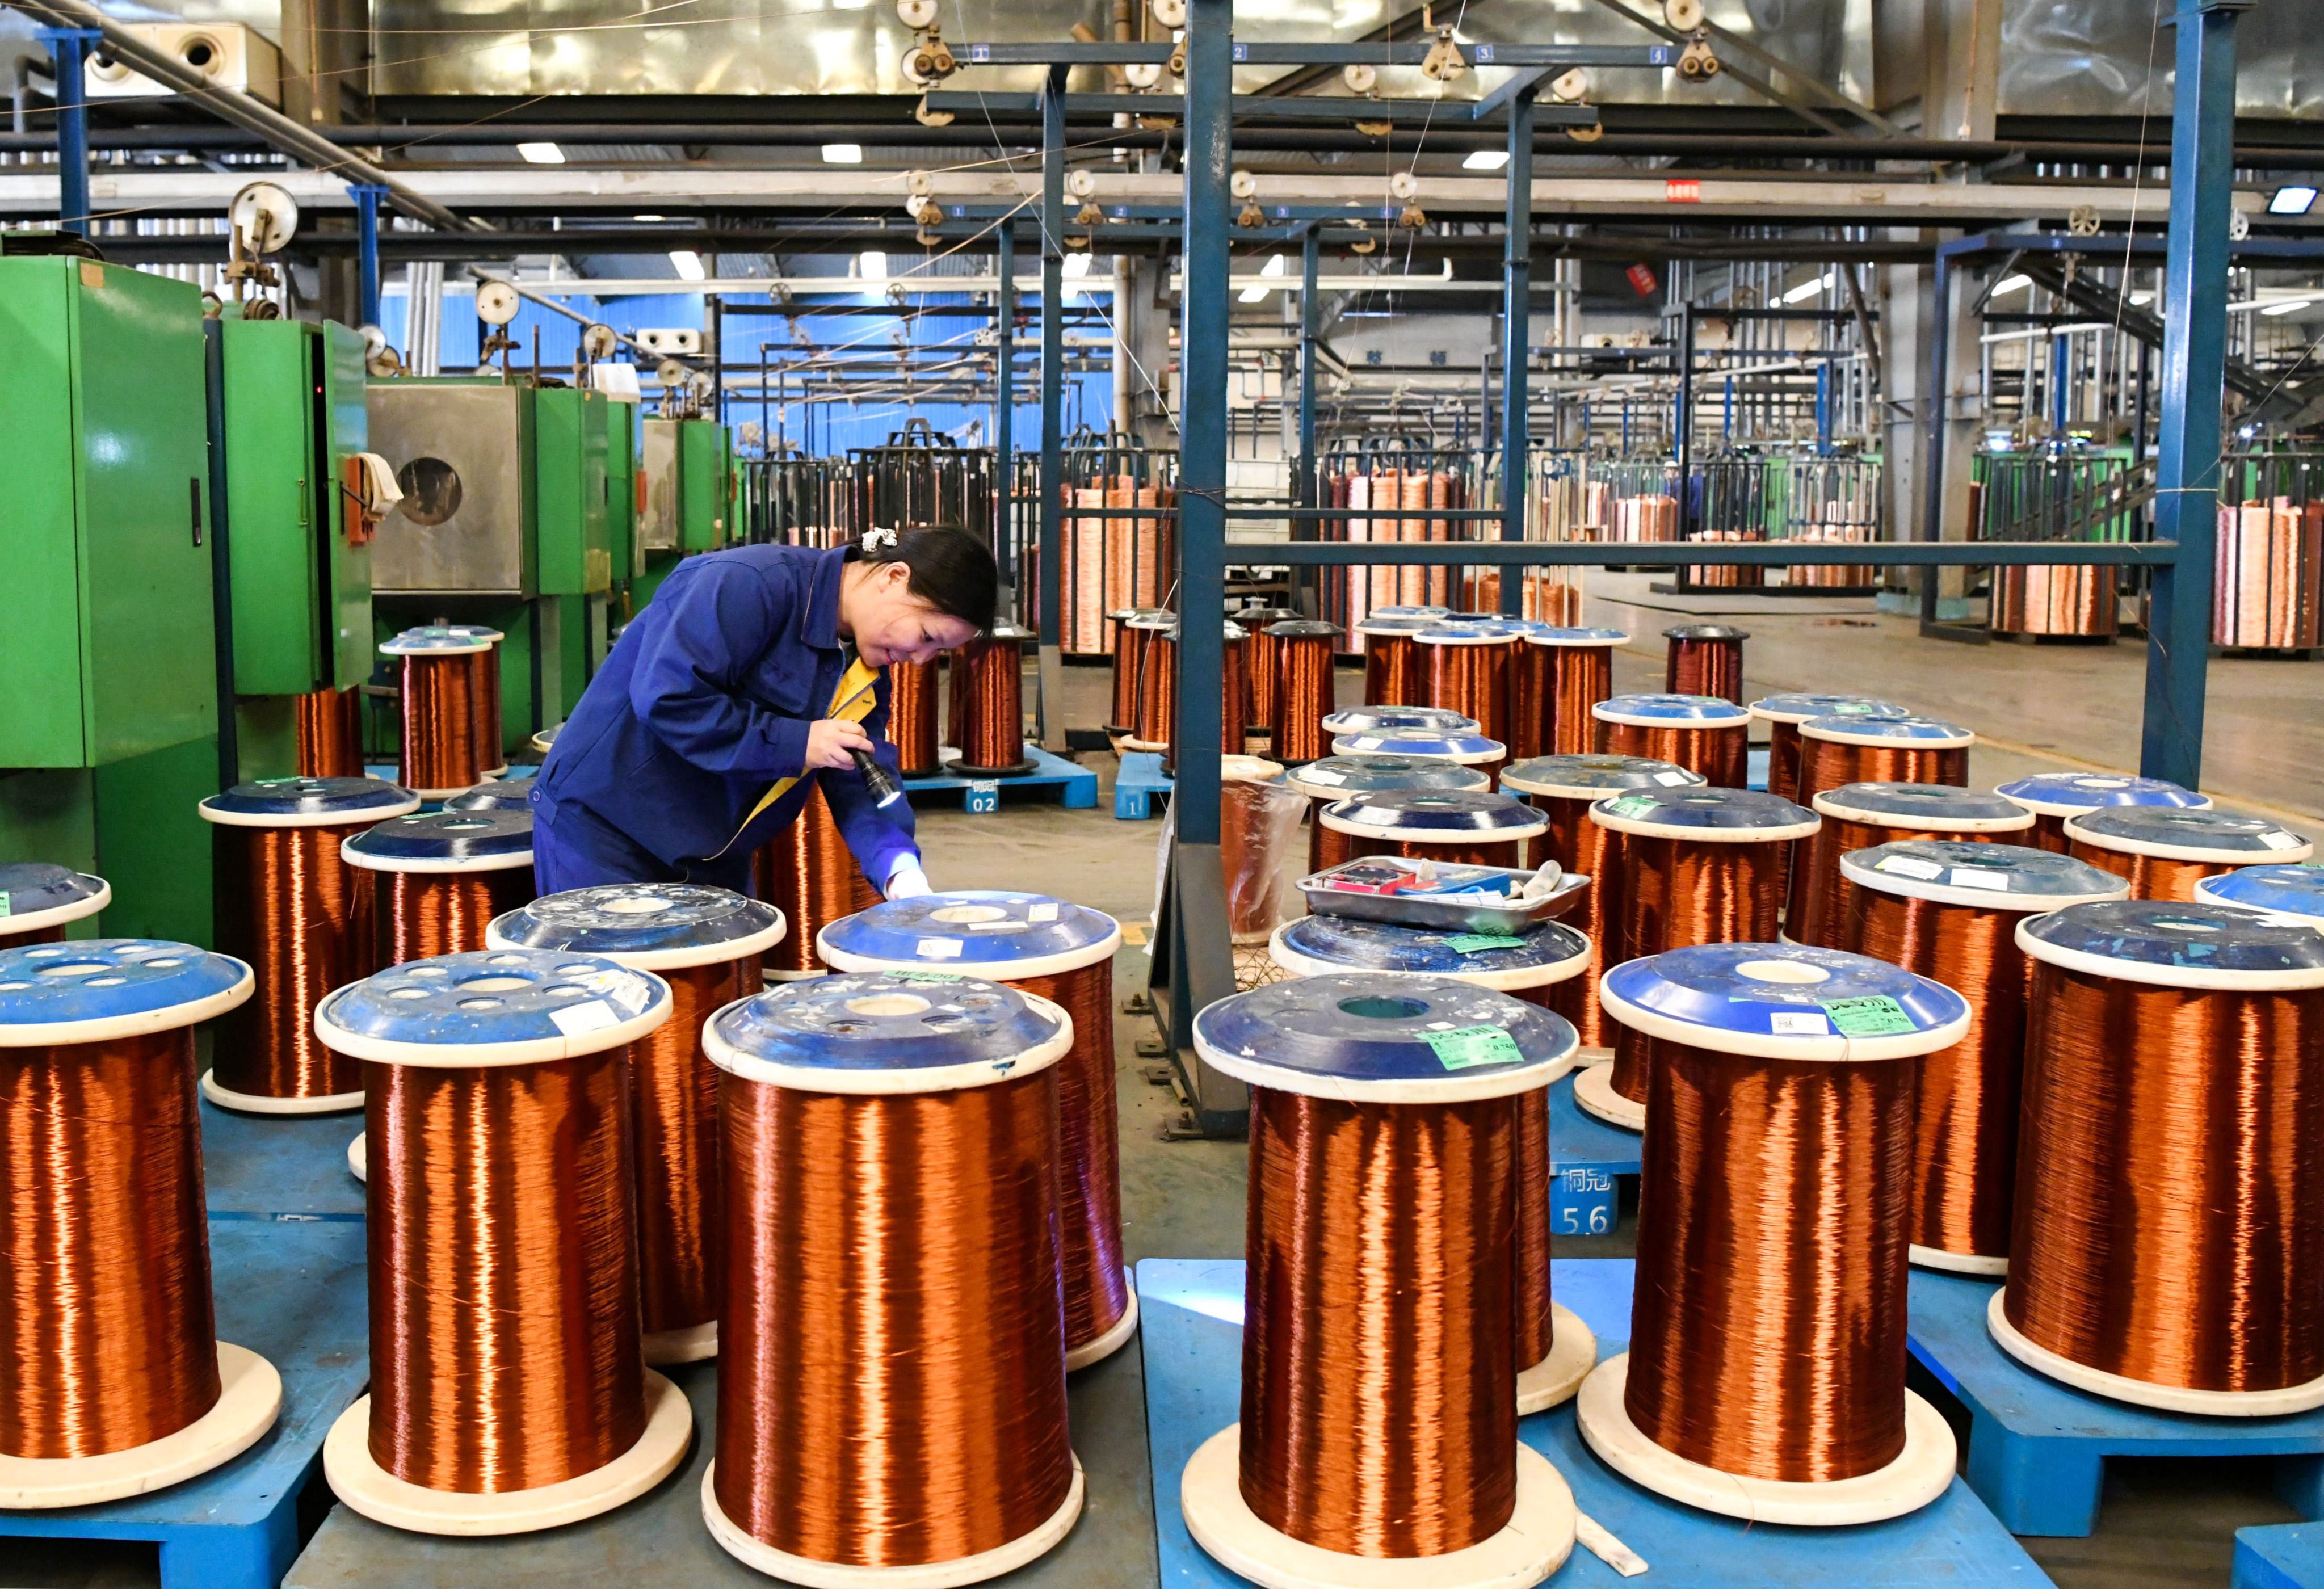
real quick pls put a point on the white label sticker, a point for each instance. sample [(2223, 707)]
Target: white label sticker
[(1378, 816), (938, 949), (1670, 780), (1907, 866), (1045, 911), (2280, 840), (1366, 743), (579, 1020), (1979, 877), (1798, 1023), (1323, 775)]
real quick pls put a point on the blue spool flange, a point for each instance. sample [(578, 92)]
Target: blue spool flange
[(2292, 890), (1594, 777), (1919, 733), (1980, 876), (1546, 953), (445, 841), (1428, 817), (1568, 636), (2066, 794), (1335, 778), (645, 926), (2178, 944), (434, 642), (972, 932), (1939, 808), (491, 1007), (1705, 815), (1801, 708), (1785, 1001), (36, 895), (1376, 719), (2178, 834), (99, 989), (1671, 711), (1469, 749), (887, 1033), (308, 802)]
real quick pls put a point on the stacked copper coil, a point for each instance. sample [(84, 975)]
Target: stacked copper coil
[(1784, 714), (1568, 671), (1643, 518), (330, 726), (1304, 688), (912, 717), (2167, 1236), (1949, 911), (808, 873), (443, 711), (1263, 669), (1831, 576), (988, 703), (2059, 600), (1862, 748), (1704, 659), (2163, 852), (1726, 575), (1465, 669), (2268, 585), (1715, 744), (1393, 674), (1858, 816)]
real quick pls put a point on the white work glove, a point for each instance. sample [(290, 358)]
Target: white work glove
[(906, 881)]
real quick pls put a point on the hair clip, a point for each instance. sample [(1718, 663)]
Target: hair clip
[(876, 539)]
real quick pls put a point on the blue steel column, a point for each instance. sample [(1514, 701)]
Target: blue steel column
[(1202, 421), (2194, 369), (1516, 345), (1306, 490), (367, 195), (1004, 410), (68, 48), (1051, 704), (1932, 447)]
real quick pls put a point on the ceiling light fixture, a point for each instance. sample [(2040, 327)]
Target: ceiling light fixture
[(842, 154), (1807, 289), (2011, 284), (541, 153), (688, 265), (1485, 160), (2291, 200)]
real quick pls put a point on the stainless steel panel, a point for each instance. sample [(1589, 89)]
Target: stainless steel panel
[(657, 522), (459, 451)]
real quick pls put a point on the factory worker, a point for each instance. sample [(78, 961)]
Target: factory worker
[(752, 676)]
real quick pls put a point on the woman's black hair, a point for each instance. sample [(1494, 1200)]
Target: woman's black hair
[(952, 571)]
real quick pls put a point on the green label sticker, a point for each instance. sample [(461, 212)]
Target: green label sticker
[(1477, 943), (1630, 806), (4, 901), (1875, 1015), (1465, 1046), (925, 975)]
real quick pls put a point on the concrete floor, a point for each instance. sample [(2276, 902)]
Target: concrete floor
[(2165, 1522)]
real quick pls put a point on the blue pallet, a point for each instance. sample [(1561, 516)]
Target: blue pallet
[(2037, 1449), (1191, 1323), (1585, 1156), (1134, 785), (2280, 1556), (280, 1167), (1077, 785), (293, 1293)]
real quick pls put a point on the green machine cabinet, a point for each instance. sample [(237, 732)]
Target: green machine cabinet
[(706, 505), (623, 483), (575, 555), (108, 664)]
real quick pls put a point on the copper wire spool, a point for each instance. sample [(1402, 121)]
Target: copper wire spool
[(290, 906), (1380, 1266), (1700, 733), (1704, 659), (1949, 911), (492, 753), (442, 877), (1554, 1349), (1158, 688), (1450, 828), (866, 1418), (1263, 667), (1392, 675), (991, 738), (1784, 714), (1574, 670), (1129, 651), (105, 1315), (1063, 952), (440, 703), (1701, 866), (1862, 749), (504, 1275), (705, 943), (912, 717), (329, 727), (1858, 816), (1234, 690), (2265, 585), (1253, 802), (808, 873), (1304, 688), (2167, 1236), (2052, 797), (1768, 1325), (2163, 852), (1563, 788), (1466, 670), (1335, 778), (43, 899), (2080, 602)]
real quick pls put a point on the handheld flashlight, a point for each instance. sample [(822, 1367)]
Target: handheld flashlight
[(885, 790)]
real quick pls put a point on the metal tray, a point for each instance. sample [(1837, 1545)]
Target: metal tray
[(1447, 910)]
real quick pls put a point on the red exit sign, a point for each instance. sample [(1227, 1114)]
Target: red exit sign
[(1682, 190)]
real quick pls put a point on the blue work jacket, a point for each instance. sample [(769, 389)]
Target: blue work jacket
[(704, 702)]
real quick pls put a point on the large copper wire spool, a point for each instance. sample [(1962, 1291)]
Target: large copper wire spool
[(1263, 668), (1698, 733), (1234, 689), (912, 717), (1448, 826), (43, 899), (808, 873), (1554, 1349), (1157, 685), (2167, 1235), (2052, 797), (1380, 1268), (1563, 788), (1859, 816), (2060, 600), (2268, 583), (440, 878), (1862, 749), (1575, 671), (290, 906), (1704, 659), (1130, 641), (105, 1316), (865, 1420), (1949, 911), (1768, 1346), (1063, 952), (504, 1355), (1335, 778), (2163, 852), (1701, 866), (329, 724), (1784, 714), (441, 701), (706, 943), (1465, 669), (1304, 688), (492, 753), (1393, 674), (990, 736)]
